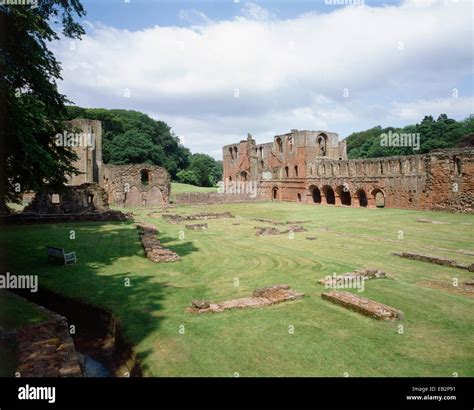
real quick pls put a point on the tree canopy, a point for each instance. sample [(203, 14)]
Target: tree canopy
[(132, 137), (33, 110), (434, 134)]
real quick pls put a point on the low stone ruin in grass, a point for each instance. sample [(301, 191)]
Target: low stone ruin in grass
[(436, 260), (429, 221), (267, 231), (196, 227), (311, 238), (261, 297), (177, 219), (367, 274), (271, 221), (154, 250), (363, 305), (47, 350)]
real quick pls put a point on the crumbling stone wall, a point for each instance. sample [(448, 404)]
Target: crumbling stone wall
[(136, 185), (85, 198), (88, 149), (213, 198), (293, 168)]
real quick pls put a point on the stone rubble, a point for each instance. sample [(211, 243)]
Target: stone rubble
[(363, 305), (196, 227), (47, 350), (177, 219), (436, 260), (367, 274), (153, 248), (261, 297)]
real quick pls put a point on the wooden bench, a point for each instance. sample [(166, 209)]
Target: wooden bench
[(60, 254)]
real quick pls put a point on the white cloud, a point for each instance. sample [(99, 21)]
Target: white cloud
[(288, 73), (416, 110), (253, 11)]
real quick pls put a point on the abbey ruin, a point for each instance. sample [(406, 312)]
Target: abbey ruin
[(97, 184), (312, 167)]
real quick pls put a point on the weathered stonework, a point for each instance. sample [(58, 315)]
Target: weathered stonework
[(196, 227), (153, 248), (312, 167), (85, 198), (436, 260), (47, 350), (261, 297), (136, 185), (89, 151), (178, 219), (209, 198), (366, 274), (362, 305)]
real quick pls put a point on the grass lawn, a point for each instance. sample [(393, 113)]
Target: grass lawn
[(178, 188), (328, 340)]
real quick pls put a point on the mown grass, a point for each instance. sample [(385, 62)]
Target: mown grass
[(328, 340), (178, 188)]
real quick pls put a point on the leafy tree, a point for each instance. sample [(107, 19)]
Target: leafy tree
[(441, 133), (206, 166), (188, 177), (33, 110), (130, 137)]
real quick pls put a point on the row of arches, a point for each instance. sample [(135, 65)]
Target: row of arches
[(340, 195), (345, 196)]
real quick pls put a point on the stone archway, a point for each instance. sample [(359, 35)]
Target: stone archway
[(275, 193), (344, 195), (329, 195), (315, 194), (379, 198), (362, 197)]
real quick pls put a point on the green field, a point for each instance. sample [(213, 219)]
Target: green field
[(328, 340), (178, 188)]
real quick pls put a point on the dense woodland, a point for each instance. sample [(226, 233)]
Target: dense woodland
[(131, 137), (434, 134)]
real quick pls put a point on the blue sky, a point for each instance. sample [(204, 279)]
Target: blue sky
[(215, 70), (139, 14)]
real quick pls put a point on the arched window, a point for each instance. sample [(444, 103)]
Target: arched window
[(144, 176), (329, 195), (321, 145), (290, 143), (296, 170), (235, 152), (231, 152), (279, 144), (286, 172), (315, 194)]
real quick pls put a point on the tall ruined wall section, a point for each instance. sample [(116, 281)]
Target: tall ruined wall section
[(298, 167), (87, 144), (136, 185)]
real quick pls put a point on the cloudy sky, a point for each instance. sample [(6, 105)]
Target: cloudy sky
[(217, 69)]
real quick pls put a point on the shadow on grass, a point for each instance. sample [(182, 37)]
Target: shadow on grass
[(181, 248), (112, 273)]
